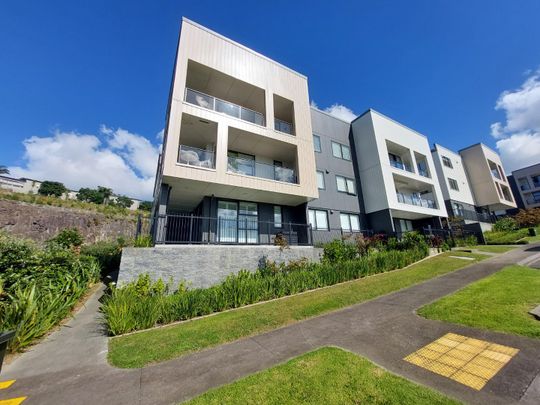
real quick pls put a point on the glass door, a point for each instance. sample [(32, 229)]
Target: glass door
[(248, 226), (227, 221)]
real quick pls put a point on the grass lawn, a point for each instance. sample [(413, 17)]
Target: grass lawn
[(499, 302), (493, 248), (154, 345), (326, 376), (532, 239)]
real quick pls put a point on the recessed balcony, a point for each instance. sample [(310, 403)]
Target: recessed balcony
[(192, 156), (197, 142), (283, 115), (399, 157), (416, 199), (217, 91), (250, 167)]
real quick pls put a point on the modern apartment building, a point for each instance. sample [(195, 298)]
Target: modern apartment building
[(338, 210), (237, 164), (397, 174), (487, 179), (246, 159), (455, 186), (525, 185)]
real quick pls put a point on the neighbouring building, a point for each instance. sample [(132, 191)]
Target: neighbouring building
[(401, 190), (525, 185), (30, 186), (456, 189), (487, 179)]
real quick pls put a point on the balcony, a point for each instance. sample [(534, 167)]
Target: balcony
[(192, 156), (412, 199), (283, 126), (215, 104), (400, 165), (533, 200), (472, 215), (250, 167)]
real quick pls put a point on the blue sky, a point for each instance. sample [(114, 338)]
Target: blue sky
[(96, 74)]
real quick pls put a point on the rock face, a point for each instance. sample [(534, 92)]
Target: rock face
[(42, 222)]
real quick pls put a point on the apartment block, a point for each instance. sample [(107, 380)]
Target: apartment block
[(397, 174), (338, 210), (238, 147), (525, 185), (487, 179), (455, 186)]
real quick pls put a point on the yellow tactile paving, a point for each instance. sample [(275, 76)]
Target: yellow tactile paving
[(472, 362), (13, 401), (6, 384)]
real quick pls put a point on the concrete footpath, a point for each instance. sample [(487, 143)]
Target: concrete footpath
[(70, 366)]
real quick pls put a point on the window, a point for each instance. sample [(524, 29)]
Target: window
[(536, 180), (447, 162), (278, 218), (341, 151), (320, 180), (317, 143), (349, 222), (453, 184), (318, 219), (345, 185)]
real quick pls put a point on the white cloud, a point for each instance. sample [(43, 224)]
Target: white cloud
[(518, 138), (123, 161), (338, 110), (160, 135)]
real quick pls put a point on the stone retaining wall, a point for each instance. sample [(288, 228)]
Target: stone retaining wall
[(203, 265)]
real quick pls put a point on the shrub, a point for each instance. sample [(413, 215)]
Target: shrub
[(143, 241), (506, 224), (506, 238), (528, 218), (466, 241), (124, 201), (107, 254), (145, 303), (39, 286), (338, 251), (68, 238), (145, 206)]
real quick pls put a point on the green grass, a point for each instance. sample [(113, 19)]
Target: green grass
[(499, 302), (532, 239), (326, 376), (154, 345), (492, 248)]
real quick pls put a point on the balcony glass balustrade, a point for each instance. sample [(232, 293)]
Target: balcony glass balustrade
[(283, 126), (192, 156), (250, 167), (412, 199), (213, 103), (401, 165)]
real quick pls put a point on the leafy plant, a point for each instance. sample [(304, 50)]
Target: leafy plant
[(124, 201), (143, 241), (68, 238), (528, 218), (506, 224), (53, 188), (338, 251), (145, 206)]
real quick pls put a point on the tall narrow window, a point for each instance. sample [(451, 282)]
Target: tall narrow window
[(320, 180), (317, 143), (336, 150), (447, 162), (453, 184)]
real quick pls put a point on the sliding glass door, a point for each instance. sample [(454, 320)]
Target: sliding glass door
[(227, 221), (248, 229), (238, 222)]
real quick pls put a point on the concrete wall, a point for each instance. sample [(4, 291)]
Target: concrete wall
[(203, 266)]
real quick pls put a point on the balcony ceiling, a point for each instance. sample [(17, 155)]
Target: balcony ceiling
[(197, 132), (215, 83), (253, 144), (417, 183)]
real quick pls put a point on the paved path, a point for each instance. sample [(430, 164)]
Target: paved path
[(384, 330)]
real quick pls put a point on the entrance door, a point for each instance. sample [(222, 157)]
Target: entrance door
[(248, 229), (227, 221)]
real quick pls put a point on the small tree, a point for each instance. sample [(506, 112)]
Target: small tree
[(145, 206), (124, 201), (528, 218), (106, 193), (90, 195), (54, 188)]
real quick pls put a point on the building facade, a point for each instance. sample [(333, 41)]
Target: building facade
[(246, 160), (525, 185)]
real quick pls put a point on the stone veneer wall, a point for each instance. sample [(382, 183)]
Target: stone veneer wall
[(203, 265), (42, 222)]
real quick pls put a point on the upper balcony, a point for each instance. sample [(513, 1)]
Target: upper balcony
[(283, 115), (422, 165), (399, 157), (414, 192), (217, 91), (197, 142), (496, 170)]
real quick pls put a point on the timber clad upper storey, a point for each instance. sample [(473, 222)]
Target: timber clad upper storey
[(239, 125)]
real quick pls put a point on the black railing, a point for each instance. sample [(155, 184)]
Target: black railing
[(474, 216), (191, 229), (322, 236)]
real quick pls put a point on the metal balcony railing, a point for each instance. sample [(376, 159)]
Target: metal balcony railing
[(473, 215), (283, 126), (192, 156), (250, 167), (415, 200), (192, 229), (423, 172), (226, 107), (401, 165)]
